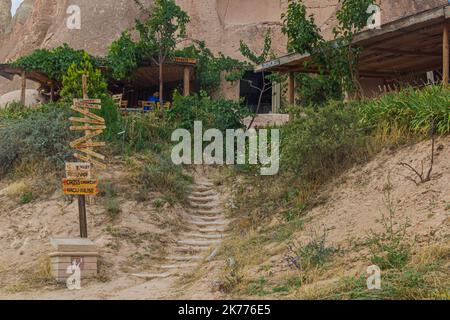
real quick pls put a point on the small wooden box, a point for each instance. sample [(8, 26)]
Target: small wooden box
[(82, 252)]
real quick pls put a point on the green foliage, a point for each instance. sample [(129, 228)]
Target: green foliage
[(113, 120), (146, 132), (25, 198), (219, 114), (162, 30), (159, 174), (43, 136), (14, 111), (391, 249), (72, 82), (338, 58), (317, 90), (411, 110), (266, 52), (314, 254), (123, 57), (318, 143), (303, 34), (112, 207), (54, 63), (209, 67), (258, 288)]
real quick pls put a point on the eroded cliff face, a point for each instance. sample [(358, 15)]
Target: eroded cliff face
[(46, 26), (5, 15)]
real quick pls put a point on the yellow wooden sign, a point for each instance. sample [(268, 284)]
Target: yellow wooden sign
[(80, 187), (78, 170), (92, 125), (88, 103)]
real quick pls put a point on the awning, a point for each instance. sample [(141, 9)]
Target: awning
[(410, 45)]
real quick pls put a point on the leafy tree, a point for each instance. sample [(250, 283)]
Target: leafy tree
[(123, 57), (160, 33), (256, 59), (339, 57), (72, 85), (209, 67), (317, 90)]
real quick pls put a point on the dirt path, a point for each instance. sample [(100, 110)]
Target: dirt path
[(205, 228)]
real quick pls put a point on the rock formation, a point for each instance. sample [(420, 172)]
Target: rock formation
[(5, 15)]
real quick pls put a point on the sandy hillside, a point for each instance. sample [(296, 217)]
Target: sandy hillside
[(355, 202), (350, 207)]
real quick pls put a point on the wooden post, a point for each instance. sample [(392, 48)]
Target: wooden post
[(52, 92), (186, 81), (82, 198), (446, 55), (291, 88), (23, 88)]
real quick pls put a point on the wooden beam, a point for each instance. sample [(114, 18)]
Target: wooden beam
[(187, 81), (405, 52), (23, 88), (291, 88), (446, 55)]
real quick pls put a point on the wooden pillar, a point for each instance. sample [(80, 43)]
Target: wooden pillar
[(446, 55), (291, 88), (187, 81), (52, 92), (23, 88)]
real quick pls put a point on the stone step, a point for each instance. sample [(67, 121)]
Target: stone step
[(205, 218), (203, 199), (198, 188), (200, 243), (211, 229), (178, 266), (209, 223), (207, 206), (204, 236), (204, 212), (204, 193), (190, 249), (185, 258), (204, 183)]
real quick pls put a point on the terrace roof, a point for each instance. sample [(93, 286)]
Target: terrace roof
[(411, 44)]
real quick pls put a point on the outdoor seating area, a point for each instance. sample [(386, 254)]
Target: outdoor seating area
[(142, 106)]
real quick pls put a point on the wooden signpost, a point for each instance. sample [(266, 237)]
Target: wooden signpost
[(79, 177)]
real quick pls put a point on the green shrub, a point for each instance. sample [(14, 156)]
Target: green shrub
[(13, 111), (220, 114), (317, 90), (113, 120), (72, 81), (146, 131), (112, 208), (317, 143), (161, 175), (25, 198), (410, 110), (43, 136), (314, 254)]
